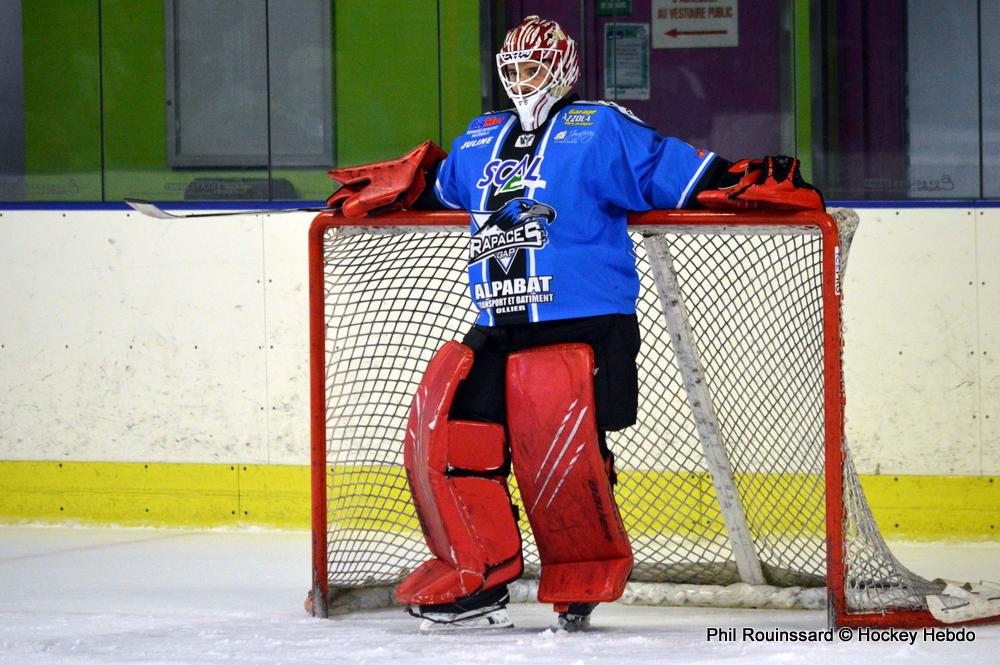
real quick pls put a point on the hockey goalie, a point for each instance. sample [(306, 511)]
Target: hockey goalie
[(550, 365)]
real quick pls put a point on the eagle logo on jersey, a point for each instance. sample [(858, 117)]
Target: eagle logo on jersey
[(501, 234)]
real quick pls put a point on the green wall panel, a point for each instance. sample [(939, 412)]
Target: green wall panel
[(461, 99), (135, 146), (62, 121), (386, 60), (389, 92), (802, 77), (135, 111)]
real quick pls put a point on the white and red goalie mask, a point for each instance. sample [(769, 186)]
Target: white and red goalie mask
[(538, 65)]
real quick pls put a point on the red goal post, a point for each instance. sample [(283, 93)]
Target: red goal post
[(370, 530)]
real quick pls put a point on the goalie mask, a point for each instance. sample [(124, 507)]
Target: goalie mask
[(538, 65)]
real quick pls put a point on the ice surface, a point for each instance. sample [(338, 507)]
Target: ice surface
[(80, 595)]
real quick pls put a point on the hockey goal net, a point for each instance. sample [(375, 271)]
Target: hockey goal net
[(738, 461)]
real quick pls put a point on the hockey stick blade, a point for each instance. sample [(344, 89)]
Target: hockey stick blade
[(150, 209)]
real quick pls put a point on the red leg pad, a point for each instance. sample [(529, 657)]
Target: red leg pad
[(584, 551), (467, 520)]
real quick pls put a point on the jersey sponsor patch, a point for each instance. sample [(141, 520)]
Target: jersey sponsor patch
[(476, 143), (525, 141), (579, 117), (510, 296), (487, 122), (574, 136), (511, 175), (501, 234), (539, 284)]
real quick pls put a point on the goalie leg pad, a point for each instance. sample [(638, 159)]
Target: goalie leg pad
[(563, 479), (457, 476)]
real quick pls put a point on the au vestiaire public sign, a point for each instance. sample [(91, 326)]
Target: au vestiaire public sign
[(695, 23)]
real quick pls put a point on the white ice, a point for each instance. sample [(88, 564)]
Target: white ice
[(81, 595)]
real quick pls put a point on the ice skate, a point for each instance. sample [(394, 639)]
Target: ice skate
[(485, 618), (575, 618)]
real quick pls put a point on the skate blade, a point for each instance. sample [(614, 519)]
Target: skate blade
[(565, 626)]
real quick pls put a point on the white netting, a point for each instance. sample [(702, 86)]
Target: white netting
[(755, 308)]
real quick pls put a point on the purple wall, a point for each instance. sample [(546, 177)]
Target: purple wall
[(738, 101), (864, 143), (724, 99)]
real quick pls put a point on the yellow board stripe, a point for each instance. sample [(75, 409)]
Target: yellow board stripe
[(190, 495), (207, 495)]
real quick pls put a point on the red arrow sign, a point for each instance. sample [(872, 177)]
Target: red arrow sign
[(674, 32)]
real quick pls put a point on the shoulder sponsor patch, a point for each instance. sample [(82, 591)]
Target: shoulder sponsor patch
[(574, 136), (579, 117), (485, 122)]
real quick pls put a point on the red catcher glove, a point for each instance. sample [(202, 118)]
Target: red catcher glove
[(381, 186), (771, 182)]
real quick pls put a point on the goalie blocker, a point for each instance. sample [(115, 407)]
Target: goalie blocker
[(456, 470), (383, 186), (768, 183)]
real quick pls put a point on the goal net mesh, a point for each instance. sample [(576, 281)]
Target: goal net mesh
[(754, 304)]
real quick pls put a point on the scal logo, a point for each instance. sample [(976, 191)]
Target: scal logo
[(510, 175)]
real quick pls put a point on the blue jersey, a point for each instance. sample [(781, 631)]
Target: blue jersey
[(549, 208)]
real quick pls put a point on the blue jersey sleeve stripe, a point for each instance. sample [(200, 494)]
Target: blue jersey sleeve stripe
[(489, 312), (548, 132), (694, 180), (533, 272)]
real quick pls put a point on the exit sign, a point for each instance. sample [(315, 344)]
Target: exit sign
[(614, 7)]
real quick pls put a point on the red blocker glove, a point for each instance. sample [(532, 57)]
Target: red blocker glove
[(771, 182), (381, 186)]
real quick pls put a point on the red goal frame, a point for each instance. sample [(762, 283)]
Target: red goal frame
[(834, 398)]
